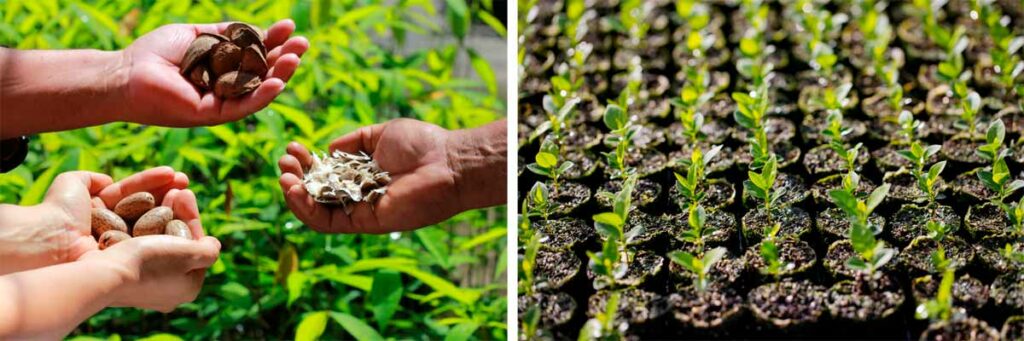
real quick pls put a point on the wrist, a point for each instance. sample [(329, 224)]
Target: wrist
[(477, 159), (33, 237)]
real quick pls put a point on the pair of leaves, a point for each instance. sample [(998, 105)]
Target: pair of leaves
[(611, 224), (700, 266), (993, 140), (859, 210), (759, 185)]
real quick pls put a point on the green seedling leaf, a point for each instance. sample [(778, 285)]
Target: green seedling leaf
[(614, 117)]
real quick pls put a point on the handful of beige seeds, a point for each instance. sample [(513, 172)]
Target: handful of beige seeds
[(344, 179), (139, 212), (231, 65)]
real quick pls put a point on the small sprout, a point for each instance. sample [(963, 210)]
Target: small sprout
[(609, 265), (751, 113), (835, 133), (701, 266), (938, 230), (1012, 254), (1015, 213), (531, 323), (622, 129), (538, 201), (871, 253), (691, 186), (928, 181), (560, 112), (611, 225), (971, 105), (547, 164), (770, 254), (908, 126), (528, 264), (860, 210), (602, 326), (939, 308), (697, 220), (759, 185), (997, 179), (919, 156)]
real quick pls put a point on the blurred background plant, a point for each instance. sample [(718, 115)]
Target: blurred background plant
[(277, 279)]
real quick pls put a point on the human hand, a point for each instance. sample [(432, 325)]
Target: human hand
[(160, 271), (58, 230), (158, 94), (422, 191)]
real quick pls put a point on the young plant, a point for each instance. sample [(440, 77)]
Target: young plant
[(938, 231), (609, 265), (697, 220), (770, 253), (611, 225), (859, 210), (693, 95), (538, 202), (919, 156), (835, 133), (751, 112), (871, 254), (939, 308), (908, 127), (700, 266), (602, 326), (622, 130), (528, 264), (547, 163), (970, 105), (997, 179), (759, 185), (1015, 213), (560, 112), (691, 187)]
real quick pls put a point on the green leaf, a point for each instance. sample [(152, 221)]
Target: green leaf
[(356, 327), (845, 201), (877, 196), (461, 332), (458, 17), (609, 218), (384, 296), (614, 117), (483, 69), (311, 327), (546, 160), (713, 256), (685, 259)]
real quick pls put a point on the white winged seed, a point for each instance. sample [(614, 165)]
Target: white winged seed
[(345, 179)]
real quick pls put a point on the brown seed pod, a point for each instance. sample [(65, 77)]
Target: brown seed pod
[(253, 61), (225, 58), (104, 220), (235, 84), (198, 50), (178, 228), (153, 222), (200, 77), (112, 237), (245, 35), (134, 206)]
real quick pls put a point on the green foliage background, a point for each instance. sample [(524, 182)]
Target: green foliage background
[(276, 278)]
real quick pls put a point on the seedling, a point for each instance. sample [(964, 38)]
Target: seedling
[(890, 77), (622, 130), (871, 254), (908, 127), (528, 264), (938, 231), (603, 327), (700, 266), (693, 95), (759, 185), (750, 114), (939, 308), (770, 253), (609, 265), (859, 210), (971, 105), (538, 202), (547, 162), (691, 187), (1015, 213), (560, 112), (835, 133), (919, 156), (997, 179), (697, 220), (612, 262)]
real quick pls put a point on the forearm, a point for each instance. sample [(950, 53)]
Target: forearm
[(43, 91), (31, 237), (49, 302), (479, 157)]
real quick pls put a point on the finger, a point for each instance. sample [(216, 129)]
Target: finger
[(284, 68), (93, 182), (180, 181), (290, 165), (217, 28), (363, 139), (301, 154), (145, 181), (187, 209), (278, 33), (98, 203), (363, 219), (206, 252), (312, 213), (236, 109), (296, 46)]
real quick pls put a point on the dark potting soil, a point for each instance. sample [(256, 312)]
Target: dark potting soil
[(794, 222), (821, 188), (556, 268), (960, 329), (568, 197), (787, 303), (841, 251), (962, 150), (904, 187), (715, 132), (636, 306), (654, 227), (1013, 329), (834, 224), (645, 192), (1008, 292), (791, 251), (727, 272), (556, 308), (911, 220), (917, 257), (645, 264), (813, 125), (990, 256), (888, 158), (865, 298), (713, 308), (717, 194), (794, 191), (970, 188), (584, 164), (985, 220), (823, 160), (722, 162), (968, 292), (564, 234), (720, 226)]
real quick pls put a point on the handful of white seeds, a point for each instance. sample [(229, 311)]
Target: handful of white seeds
[(345, 179)]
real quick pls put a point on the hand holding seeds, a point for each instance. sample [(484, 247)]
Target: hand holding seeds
[(205, 74)]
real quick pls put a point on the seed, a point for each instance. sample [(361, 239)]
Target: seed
[(104, 220), (198, 51), (225, 58), (153, 222), (253, 61), (134, 206), (245, 35), (200, 76), (112, 237), (178, 228), (235, 84)]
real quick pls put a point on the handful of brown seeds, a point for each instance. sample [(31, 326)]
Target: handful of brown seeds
[(231, 65), (139, 212)]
